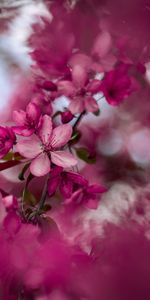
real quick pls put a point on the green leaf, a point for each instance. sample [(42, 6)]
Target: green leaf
[(84, 155), (97, 113), (8, 156), (75, 137), (29, 198), (46, 207)]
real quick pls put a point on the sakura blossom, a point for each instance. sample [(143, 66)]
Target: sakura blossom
[(44, 149), (27, 121)]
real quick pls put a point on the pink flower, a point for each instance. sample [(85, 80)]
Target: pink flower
[(44, 149), (66, 181), (87, 196), (80, 90), (7, 140), (27, 121), (117, 85)]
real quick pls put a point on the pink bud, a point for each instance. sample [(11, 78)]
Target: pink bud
[(66, 116), (49, 86)]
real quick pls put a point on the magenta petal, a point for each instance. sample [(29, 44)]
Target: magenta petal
[(53, 184), (33, 112), (66, 187), (22, 130), (45, 130), (91, 104), (29, 148), (96, 189), (63, 159), (77, 178), (40, 166), (19, 117), (61, 135)]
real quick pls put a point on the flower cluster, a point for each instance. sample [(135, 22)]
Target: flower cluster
[(62, 171)]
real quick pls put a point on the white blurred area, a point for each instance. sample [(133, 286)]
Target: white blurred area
[(14, 58)]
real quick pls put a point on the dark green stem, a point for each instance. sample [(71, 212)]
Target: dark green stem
[(44, 195), (78, 120)]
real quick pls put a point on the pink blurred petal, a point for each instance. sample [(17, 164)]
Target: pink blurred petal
[(63, 159), (91, 104), (40, 166), (45, 130), (94, 86), (66, 88), (19, 117), (61, 135), (91, 203), (102, 44), (77, 105), (79, 76), (29, 148)]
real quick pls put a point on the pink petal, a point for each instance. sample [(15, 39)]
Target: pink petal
[(66, 88), (19, 117), (91, 104), (91, 203), (102, 44), (33, 112), (40, 166), (79, 76), (94, 86), (82, 60), (29, 148), (76, 106), (61, 135), (63, 159), (45, 130)]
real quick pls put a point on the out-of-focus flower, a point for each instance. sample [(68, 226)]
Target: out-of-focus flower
[(7, 140), (27, 121), (117, 85), (87, 195), (43, 149), (65, 180), (80, 90)]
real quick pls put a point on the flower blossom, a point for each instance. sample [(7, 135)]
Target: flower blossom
[(87, 195), (43, 149), (117, 85), (80, 90), (7, 140), (65, 180), (27, 121)]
